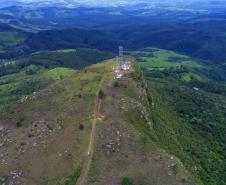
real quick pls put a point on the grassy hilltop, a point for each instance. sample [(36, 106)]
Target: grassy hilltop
[(53, 125), (124, 151), (57, 133)]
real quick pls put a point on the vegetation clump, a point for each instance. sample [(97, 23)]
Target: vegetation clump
[(71, 180), (174, 168), (19, 121), (49, 127), (81, 127), (127, 181), (18, 124), (101, 94), (116, 84)]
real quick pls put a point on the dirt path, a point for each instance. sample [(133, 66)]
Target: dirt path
[(89, 155)]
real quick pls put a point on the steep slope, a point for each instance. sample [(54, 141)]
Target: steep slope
[(45, 138), (188, 113), (190, 123)]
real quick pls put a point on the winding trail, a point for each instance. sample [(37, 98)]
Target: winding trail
[(89, 155)]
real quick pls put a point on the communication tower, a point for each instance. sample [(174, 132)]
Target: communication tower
[(121, 58)]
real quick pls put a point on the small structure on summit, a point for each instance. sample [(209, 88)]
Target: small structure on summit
[(121, 65)]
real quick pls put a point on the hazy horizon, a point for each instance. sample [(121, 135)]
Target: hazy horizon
[(112, 3)]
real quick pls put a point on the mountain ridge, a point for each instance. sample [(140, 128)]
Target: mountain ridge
[(66, 126)]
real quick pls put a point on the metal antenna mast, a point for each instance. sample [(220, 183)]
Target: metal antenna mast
[(121, 59), (121, 65), (117, 63)]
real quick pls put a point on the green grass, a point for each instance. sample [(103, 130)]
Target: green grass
[(30, 79), (187, 77), (72, 179), (162, 59), (59, 73)]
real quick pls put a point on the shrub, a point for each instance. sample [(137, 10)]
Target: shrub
[(101, 94), (18, 124), (19, 121), (174, 168), (81, 127), (49, 127), (127, 181), (30, 135), (116, 84), (71, 180)]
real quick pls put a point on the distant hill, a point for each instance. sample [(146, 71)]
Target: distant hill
[(72, 38), (201, 38), (72, 58), (25, 42), (11, 41)]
